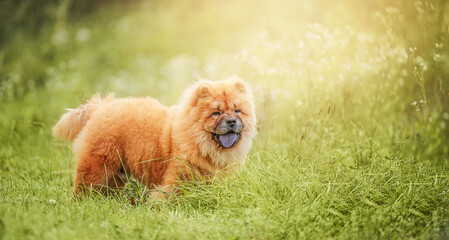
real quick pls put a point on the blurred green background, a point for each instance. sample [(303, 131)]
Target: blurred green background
[(361, 86)]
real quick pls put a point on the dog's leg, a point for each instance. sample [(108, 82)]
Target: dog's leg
[(174, 174), (95, 172), (162, 192)]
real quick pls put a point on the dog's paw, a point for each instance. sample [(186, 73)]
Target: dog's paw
[(157, 199)]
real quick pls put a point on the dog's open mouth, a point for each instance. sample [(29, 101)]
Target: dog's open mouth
[(226, 140)]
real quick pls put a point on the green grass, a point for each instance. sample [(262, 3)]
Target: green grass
[(352, 105)]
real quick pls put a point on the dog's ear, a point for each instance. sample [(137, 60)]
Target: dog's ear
[(202, 91), (239, 84)]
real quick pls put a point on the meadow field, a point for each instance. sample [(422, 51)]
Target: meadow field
[(352, 103)]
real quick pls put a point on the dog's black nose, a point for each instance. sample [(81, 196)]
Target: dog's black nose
[(231, 121)]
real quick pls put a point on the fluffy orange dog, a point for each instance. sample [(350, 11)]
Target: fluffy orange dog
[(207, 134)]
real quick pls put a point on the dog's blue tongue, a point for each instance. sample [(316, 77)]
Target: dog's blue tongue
[(228, 139)]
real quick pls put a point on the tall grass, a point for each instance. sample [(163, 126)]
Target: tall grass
[(352, 105)]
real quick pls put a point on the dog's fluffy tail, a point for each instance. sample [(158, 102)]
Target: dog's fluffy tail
[(73, 121)]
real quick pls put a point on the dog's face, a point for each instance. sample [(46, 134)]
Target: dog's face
[(223, 115), (223, 120)]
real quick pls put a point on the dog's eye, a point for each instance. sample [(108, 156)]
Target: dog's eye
[(216, 114), (237, 111)]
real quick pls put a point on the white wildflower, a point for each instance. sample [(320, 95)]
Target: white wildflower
[(272, 71), (446, 116), (83, 35)]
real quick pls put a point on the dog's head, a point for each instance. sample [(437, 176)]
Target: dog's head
[(221, 116)]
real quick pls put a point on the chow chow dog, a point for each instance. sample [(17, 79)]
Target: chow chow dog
[(206, 135)]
